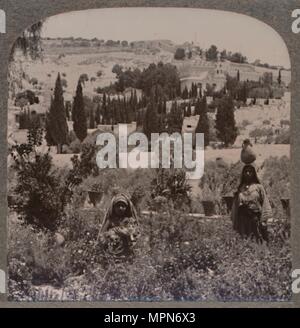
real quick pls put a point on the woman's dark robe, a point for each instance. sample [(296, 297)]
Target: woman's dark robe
[(251, 210)]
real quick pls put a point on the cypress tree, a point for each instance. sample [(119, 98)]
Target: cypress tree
[(135, 99), (185, 93), (123, 112), (279, 77), (200, 95), (92, 119), (139, 118), (225, 121), (203, 123), (203, 106), (197, 106), (134, 105), (79, 115), (104, 109), (67, 112), (238, 76), (118, 111), (195, 92), (131, 98), (151, 120), (129, 111), (104, 116), (175, 119), (244, 93), (164, 108), (104, 100), (189, 110), (49, 140), (160, 107), (98, 115), (56, 121), (109, 111)]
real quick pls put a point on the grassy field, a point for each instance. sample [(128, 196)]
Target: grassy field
[(176, 259)]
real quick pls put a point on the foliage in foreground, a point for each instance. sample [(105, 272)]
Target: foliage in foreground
[(177, 258)]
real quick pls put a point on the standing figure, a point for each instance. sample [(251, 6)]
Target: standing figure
[(251, 207), (120, 229)]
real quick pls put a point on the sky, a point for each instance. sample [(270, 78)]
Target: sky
[(227, 30)]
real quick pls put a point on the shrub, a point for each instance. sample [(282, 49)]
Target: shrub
[(173, 185), (34, 81), (74, 147), (33, 259), (81, 229), (38, 186), (258, 133), (283, 138), (266, 122), (276, 180), (220, 179), (285, 122), (245, 123), (83, 78), (179, 54)]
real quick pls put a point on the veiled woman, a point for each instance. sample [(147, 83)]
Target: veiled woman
[(251, 207), (120, 228)]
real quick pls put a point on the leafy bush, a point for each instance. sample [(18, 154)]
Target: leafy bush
[(33, 259), (266, 122), (283, 138), (172, 184), (34, 81), (177, 257), (258, 133), (285, 122), (74, 147), (220, 179), (245, 123), (276, 180), (38, 186), (83, 78), (179, 54)]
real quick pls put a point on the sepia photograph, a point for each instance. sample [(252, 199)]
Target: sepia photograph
[(98, 210)]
